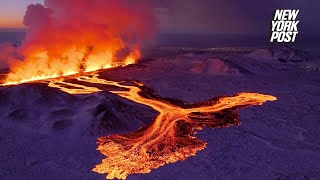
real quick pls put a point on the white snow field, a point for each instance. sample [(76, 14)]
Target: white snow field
[(46, 134)]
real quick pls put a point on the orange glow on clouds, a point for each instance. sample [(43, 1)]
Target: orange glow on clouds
[(62, 40)]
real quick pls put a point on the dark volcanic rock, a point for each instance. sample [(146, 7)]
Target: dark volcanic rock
[(18, 114), (116, 116), (62, 124), (44, 109)]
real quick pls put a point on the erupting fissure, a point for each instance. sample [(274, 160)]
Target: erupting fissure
[(75, 36), (12, 78), (170, 137)]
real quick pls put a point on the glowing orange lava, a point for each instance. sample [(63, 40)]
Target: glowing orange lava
[(34, 70), (170, 137)]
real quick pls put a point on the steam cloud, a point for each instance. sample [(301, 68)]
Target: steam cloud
[(75, 35)]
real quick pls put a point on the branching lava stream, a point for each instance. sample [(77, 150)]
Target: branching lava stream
[(170, 137)]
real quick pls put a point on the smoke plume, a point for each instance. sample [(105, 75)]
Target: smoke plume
[(65, 37)]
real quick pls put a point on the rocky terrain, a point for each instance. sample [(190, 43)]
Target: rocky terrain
[(49, 134)]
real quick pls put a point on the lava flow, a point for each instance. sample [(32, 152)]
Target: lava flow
[(170, 137)]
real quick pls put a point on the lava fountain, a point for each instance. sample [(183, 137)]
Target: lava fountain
[(75, 36), (170, 137)]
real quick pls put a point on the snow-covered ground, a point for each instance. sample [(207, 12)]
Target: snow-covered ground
[(48, 134)]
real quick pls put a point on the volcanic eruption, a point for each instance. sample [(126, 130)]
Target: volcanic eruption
[(69, 37), (76, 37)]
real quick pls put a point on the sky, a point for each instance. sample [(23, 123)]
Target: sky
[(202, 16), (12, 12), (236, 16)]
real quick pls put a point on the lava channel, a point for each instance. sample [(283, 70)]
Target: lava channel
[(171, 135)]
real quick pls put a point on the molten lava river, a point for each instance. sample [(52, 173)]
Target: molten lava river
[(170, 137)]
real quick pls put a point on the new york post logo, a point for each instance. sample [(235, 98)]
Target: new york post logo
[(284, 26)]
